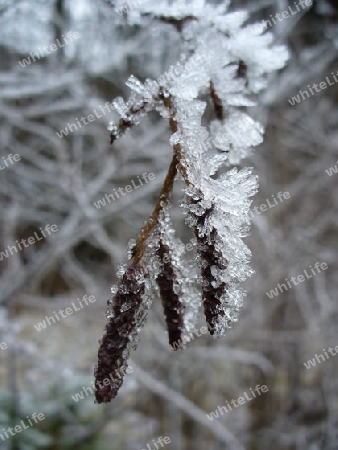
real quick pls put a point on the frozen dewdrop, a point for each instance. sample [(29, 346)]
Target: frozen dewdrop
[(121, 269), (131, 248), (114, 289), (111, 126), (109, 314)]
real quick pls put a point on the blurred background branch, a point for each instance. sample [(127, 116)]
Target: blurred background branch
[(56, 181)]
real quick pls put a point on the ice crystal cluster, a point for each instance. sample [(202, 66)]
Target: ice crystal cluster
[(225, 63)]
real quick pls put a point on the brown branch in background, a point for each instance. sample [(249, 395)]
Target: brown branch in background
[(172, 306)]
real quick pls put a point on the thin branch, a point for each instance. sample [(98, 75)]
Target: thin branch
[(187, 406), (153, 219)]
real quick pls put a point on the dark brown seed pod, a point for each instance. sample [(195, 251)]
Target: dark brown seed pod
[(209, 256), (121, 335), (172, 306)]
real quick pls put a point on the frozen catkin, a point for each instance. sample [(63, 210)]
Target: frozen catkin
[(126, 314), (212, 288), (170, 280), (172, 305), (219, 224), (205, 97)]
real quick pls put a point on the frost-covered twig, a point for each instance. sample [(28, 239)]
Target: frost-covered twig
[(187, 406), (217, 207)]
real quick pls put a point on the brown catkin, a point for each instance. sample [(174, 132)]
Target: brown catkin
[(120, 336), (213, 309), (172, 306)]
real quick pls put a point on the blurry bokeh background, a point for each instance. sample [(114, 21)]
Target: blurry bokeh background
[(57, 181)]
